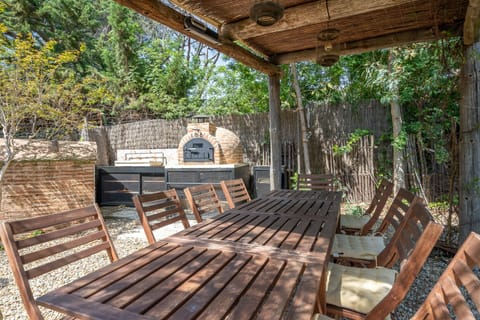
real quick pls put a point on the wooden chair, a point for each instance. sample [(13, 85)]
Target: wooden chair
[(373, 293), (159, 209), (362, 225), (316, 182), (235, 192), (458, 281), (366, 249), (203, 199), (32, 235)]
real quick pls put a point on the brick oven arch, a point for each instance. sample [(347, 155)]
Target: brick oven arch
[(202, 135)]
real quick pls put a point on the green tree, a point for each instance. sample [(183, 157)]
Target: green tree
[(40, 96), (71, 23)]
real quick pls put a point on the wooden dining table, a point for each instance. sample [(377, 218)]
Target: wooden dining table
[(265, 259)]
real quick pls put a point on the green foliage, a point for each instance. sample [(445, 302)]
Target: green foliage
[(400, 141), (237, 89), (36, 233), (294, 181), (443, 204), (352, 141), (69, 22), (34, 82), (426, 78), (473, 186), (41, 94), (354, 210)]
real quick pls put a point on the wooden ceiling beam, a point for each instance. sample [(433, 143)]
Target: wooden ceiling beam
[(382, 42), (307, 14), (167, 16), (472, 23)]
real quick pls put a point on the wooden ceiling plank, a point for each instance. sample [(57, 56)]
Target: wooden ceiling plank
[(307, 14), (472, 21), (155, 10), (356, 47)]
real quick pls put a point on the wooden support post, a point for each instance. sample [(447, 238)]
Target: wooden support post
[(469, 156), (275, 133)]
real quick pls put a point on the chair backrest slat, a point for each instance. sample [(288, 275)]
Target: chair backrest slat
[(159, 209), (49, 221), (446, 292), (41, 254), (235, 192), (50, 266), (405, 238), (316, 182), (202, 200), (375, 209), (77, 233), (58, 234), (397, 210)]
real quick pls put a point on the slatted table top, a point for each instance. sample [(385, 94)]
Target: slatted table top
[(168, 280), (305, 228), (242, 265)]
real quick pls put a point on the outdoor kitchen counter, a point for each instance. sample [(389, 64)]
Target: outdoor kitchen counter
[(241, 265)]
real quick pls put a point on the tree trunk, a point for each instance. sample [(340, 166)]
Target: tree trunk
[(9, 154), (397, 122), (301, 117), (275, 133), (469, 154), (104, 154), (398, 160)]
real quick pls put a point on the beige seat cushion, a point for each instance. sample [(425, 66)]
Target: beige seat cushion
[(358, 247), (358, 289), (349, 221)]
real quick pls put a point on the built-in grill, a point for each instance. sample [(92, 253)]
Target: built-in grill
[(198, 150)]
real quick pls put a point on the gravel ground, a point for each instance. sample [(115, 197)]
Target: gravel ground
[(128, 237)]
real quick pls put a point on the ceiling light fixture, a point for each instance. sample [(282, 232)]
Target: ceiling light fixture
[(328, 51), (266, 12)]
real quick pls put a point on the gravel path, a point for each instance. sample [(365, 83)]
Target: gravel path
[(128, 237)]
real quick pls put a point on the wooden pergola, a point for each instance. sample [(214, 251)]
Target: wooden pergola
[(225, 25)]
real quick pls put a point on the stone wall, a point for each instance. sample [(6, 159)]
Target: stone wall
[(34, 188)]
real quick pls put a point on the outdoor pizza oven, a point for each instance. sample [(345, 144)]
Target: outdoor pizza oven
[(207, 154), (198, 150), (205, 144)]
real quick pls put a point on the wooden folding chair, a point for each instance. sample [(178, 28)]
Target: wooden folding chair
[(316, 182), (365, 250), (457, 283), (203, 200), (362, 225), (30, 255), (396, 211), (373, 293), (159, 209), (235, 192)]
